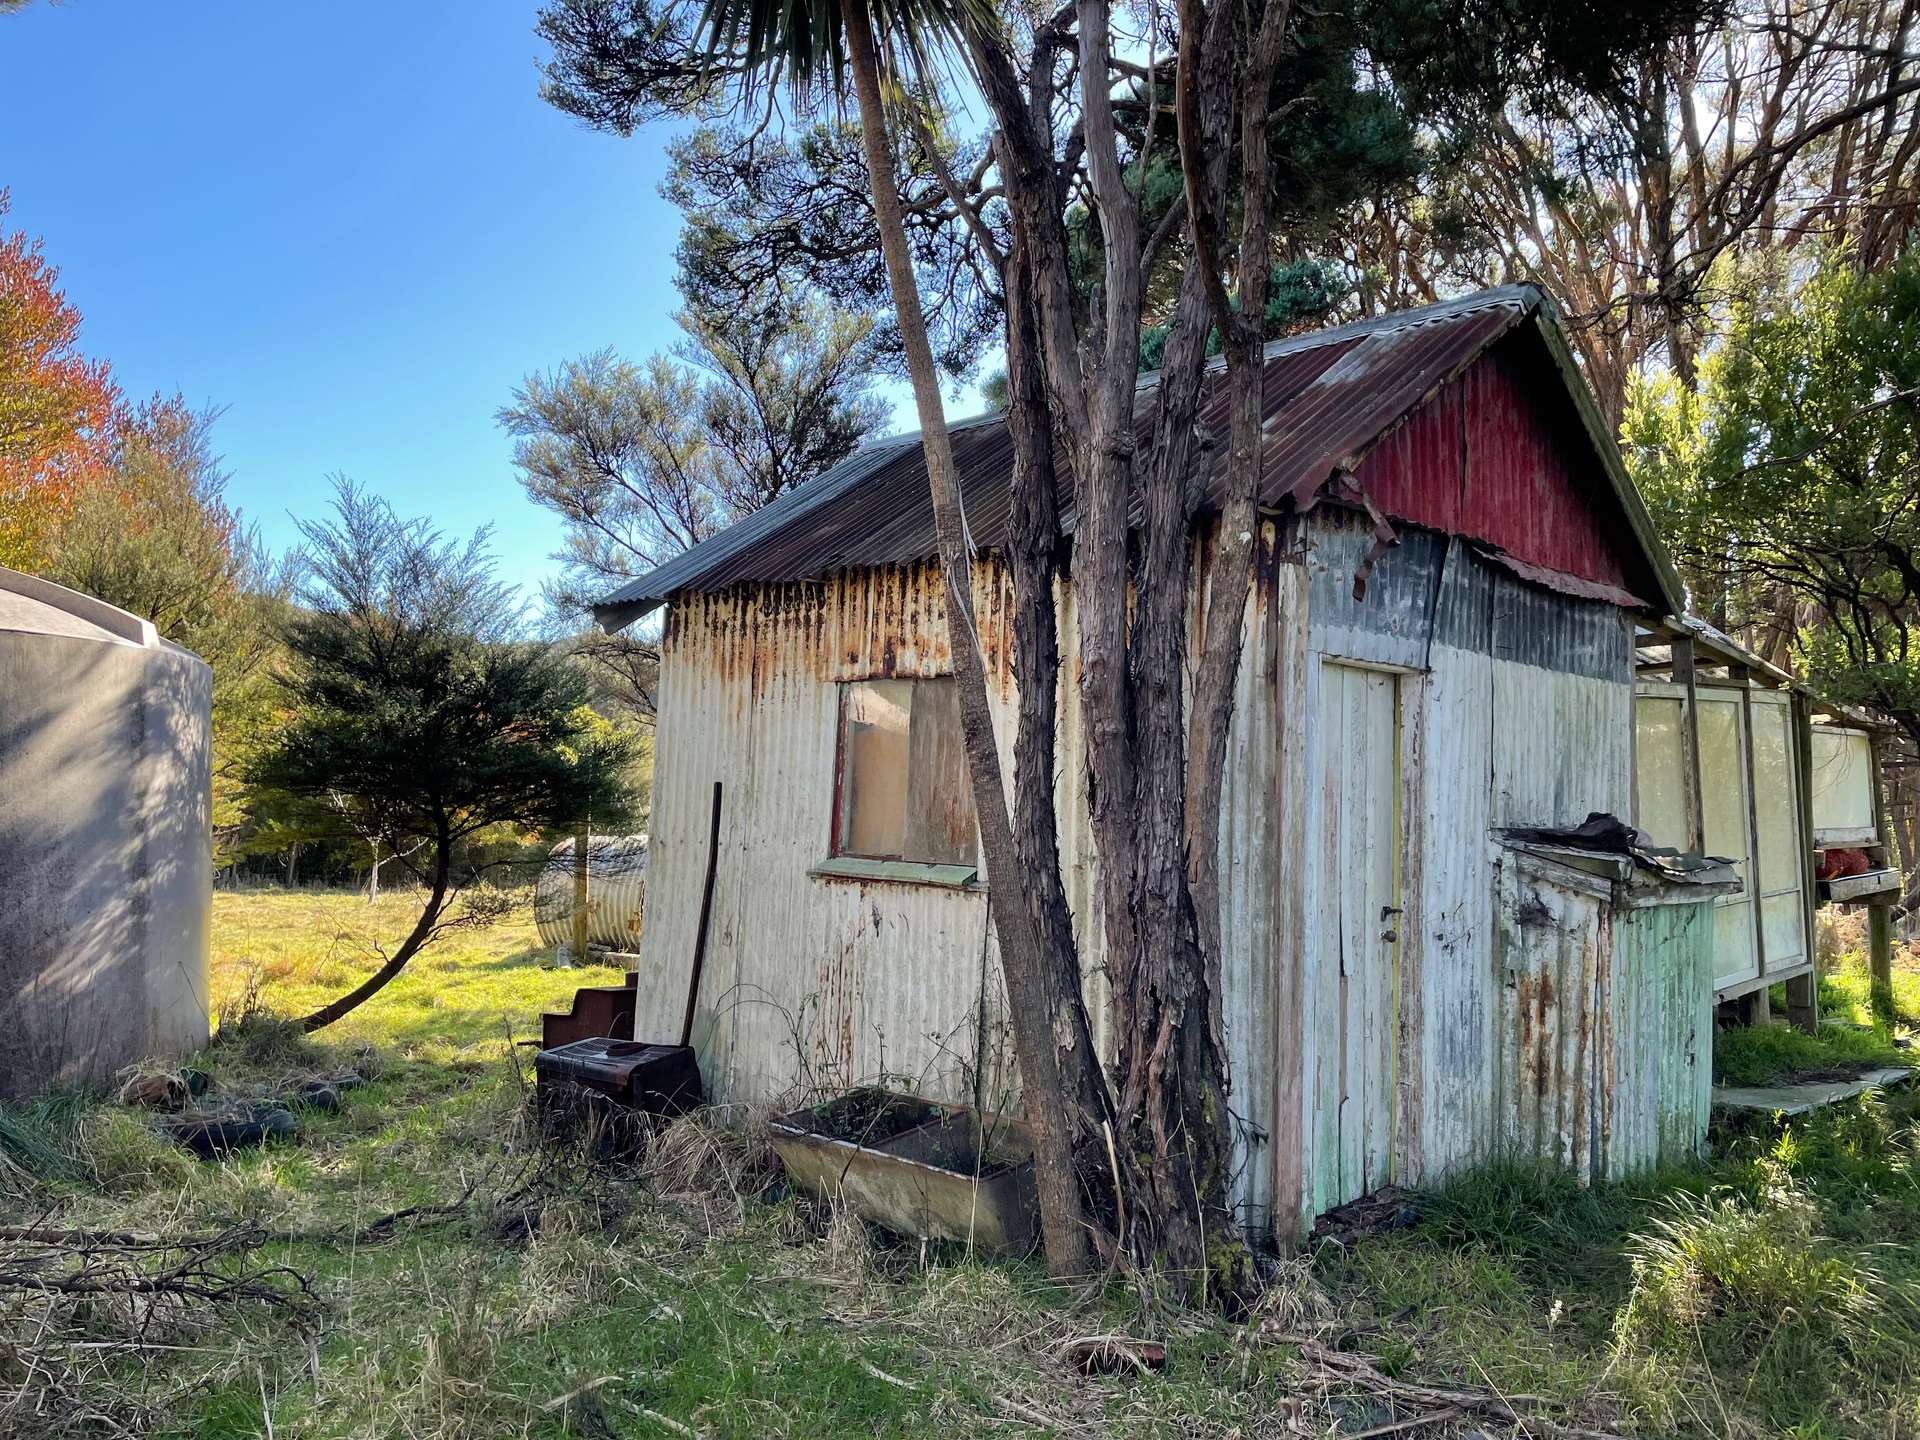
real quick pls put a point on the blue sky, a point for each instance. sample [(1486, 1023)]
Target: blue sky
[(354, 225)]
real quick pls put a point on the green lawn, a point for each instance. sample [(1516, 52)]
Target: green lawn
[(454, 1005), (1773, 1293)]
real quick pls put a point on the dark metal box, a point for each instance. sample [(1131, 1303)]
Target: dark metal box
[(659, 1079)]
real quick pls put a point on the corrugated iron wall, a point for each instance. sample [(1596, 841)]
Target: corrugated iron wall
[(1607, 1019), (1554, 1073), (1662, 1036), (1515, 709), (1487, 457), (616, 893), (816, 981)]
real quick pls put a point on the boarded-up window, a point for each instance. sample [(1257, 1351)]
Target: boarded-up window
[(904, 793), (1842, 787)]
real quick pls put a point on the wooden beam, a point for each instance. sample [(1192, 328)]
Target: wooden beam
[(1753, 845), (1754, 1008), (1803, 991)]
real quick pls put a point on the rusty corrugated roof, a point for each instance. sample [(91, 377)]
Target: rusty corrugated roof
[(1329, 396)]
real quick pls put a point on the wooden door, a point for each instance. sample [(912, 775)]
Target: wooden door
[(1357, 929)]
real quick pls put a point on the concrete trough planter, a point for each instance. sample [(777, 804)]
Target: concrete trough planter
[(915, 1167)]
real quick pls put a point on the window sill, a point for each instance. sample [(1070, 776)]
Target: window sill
[(900, 872)]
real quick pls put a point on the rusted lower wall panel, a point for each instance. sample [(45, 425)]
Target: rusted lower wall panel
[(1554, 1074)]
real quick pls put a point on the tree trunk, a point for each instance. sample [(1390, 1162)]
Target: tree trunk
[(1173, 1145), (1223, 594), (416, 938), (1035, 528), (1171, 1053), (1020, 956)]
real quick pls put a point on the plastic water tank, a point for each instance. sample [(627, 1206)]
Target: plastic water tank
[(105, 841)]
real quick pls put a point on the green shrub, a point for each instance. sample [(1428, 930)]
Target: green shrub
[(1754, 1290), (37, 1142)]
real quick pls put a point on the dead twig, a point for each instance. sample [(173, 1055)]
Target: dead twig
[(560, 1402), (1353, 1371), (78, 1263), (1413, 1422)]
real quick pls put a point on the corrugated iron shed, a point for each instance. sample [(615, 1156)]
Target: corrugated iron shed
[(1331, 398)]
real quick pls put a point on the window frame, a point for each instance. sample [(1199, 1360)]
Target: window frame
[(1760, 967), (841, 863)]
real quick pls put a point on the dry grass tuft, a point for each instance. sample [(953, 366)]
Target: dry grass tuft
[(1293, 1301), (713, 1161), (848, 1249), (126, 1155)]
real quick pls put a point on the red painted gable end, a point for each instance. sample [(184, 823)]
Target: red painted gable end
[(1499, 454)]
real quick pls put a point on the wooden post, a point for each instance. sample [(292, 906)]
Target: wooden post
[(1760, 1011), (580, 848), (1803, 991), (1880, 960), (1683, 675), (1880, 911)]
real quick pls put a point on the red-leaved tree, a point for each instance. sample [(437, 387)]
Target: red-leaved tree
[(58, 409)]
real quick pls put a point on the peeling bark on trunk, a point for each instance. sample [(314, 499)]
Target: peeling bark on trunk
[(1035, 524), (1223, 593), (1172, 1141), (1021, 959)]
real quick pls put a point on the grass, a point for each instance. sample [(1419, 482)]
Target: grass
[(1776, 1054), (1771, 1292), (452, 1006), (1849, 1039)]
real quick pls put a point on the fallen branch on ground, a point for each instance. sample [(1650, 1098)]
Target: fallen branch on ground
[(79, 1264), (1352, 1371), (240, 1237)]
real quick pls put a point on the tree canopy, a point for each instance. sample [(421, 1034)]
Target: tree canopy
[(641, 461), (1789, 481), (419, 718), (58, 408), (153, 534)]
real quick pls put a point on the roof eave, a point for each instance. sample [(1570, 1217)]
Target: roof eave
[(614, 618)]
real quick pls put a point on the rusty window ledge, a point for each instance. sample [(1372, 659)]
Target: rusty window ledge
[(902, 872)]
